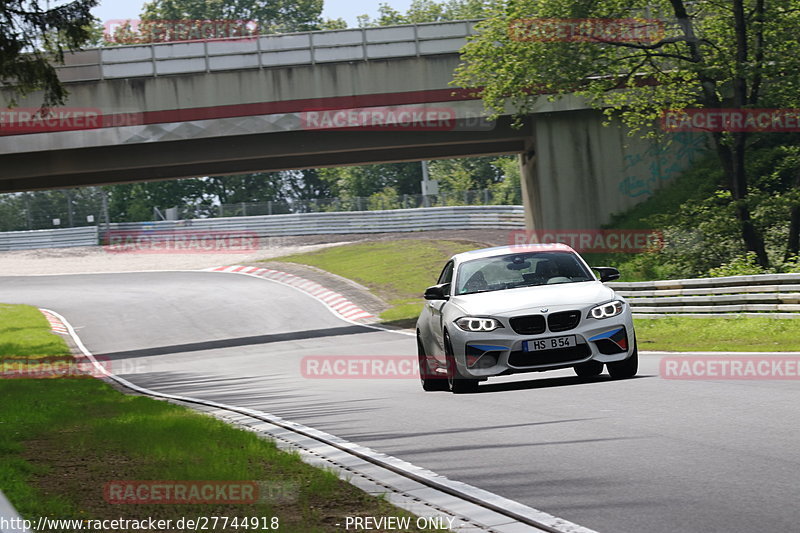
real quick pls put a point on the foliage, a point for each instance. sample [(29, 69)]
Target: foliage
[(421, 11), (367, 180), (32, 39), (715, 55), (273, 16), (695, 215), (742, 265)]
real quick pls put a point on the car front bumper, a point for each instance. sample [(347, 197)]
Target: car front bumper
[(503, 351)]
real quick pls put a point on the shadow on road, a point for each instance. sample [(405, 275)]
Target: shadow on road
[(272, 393), (547, 383), (238, 341)]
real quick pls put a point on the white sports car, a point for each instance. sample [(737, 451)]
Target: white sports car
[(511, 309)]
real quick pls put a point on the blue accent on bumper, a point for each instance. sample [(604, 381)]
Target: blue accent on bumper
[(606, 335), (487, 347)]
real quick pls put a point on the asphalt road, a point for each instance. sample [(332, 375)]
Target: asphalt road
[(642, 455)]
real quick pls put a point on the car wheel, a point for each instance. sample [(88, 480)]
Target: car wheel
[(455, 381), (589, 369), (627, 368), (431, 381)]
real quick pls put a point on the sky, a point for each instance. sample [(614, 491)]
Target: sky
[(346, 9)]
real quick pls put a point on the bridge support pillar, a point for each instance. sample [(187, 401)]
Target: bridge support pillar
[(530, 186), (577, 172)]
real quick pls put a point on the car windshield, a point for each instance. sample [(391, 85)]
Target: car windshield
[(520, 270)]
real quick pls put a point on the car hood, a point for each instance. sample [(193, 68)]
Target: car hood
[(551, 296)]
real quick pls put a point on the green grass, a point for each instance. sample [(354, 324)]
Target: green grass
[(400, 270), (24, 332), (396, 271), (62, 440), (740, 334)]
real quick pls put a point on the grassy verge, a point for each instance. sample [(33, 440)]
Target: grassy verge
[(396, 271), (400, 270), (62, 440), (719, 334)]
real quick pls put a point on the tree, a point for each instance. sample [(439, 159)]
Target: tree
[(467, 173), (738, 54), (32, 39), (421, 11), (366, 180), (272, 16)]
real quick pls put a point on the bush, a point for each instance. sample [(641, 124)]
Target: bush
[(743, 265)]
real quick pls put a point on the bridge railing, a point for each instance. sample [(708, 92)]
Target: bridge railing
[(265, 51)]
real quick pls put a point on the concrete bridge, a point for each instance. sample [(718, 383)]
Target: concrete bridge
[(306, 100)]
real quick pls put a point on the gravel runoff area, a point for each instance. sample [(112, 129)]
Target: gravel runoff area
[(79, 260)]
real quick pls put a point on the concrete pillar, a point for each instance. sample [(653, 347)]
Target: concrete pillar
[(529, 183), (578, 172)]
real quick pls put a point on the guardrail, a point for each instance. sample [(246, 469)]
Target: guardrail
[(770, 295), (306, 48), (342, 222), (49, 238), (393, 220)]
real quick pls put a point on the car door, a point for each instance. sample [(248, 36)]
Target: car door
[(435, 312)]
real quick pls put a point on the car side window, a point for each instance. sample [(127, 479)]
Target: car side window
[(447, 274)]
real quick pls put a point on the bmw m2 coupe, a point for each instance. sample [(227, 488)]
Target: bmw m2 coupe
[(530, 308)]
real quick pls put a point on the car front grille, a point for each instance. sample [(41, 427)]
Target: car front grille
[(528, 325), (563, 321), (549, 357)]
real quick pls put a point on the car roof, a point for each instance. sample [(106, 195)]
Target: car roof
[(512, 249)]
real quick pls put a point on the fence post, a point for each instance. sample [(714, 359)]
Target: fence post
[(106, 219), (269, 207), (70, 214), (28, 214), (244, 209), (485, 196)]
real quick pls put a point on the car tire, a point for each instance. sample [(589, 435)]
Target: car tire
[(589, 369), (431, 381), (627, 368), (455, 381)]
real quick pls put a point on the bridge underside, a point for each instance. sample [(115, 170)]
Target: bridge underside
[(247, 153)]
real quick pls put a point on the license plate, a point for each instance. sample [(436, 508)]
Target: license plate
[(553, 343)]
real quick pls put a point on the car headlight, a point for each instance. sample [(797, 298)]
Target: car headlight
[(473, 323), (607, 310)]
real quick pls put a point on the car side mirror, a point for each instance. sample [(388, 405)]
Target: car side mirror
[(438, 292), (607, 273)]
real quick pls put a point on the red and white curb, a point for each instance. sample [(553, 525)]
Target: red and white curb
[(333, 300), (55, 323)]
